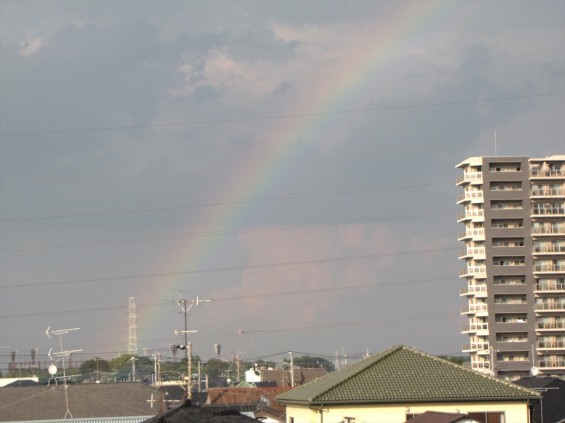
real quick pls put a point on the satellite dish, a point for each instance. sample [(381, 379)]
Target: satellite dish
[(534, 371), (52, 369)]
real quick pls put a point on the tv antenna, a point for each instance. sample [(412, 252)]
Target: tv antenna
[(62, 354)]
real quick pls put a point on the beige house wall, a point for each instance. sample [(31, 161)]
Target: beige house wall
[(514, 412)]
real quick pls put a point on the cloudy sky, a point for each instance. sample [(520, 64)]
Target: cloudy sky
[(291, 161)]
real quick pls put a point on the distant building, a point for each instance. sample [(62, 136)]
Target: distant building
[(283, 376), (401, 383), (514, 264)]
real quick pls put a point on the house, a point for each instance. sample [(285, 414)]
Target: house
[(401, 383), (43, 402), (552, 389), (189, 412), (262, 401)]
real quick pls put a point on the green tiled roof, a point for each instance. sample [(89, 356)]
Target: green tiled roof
[(402, 374)]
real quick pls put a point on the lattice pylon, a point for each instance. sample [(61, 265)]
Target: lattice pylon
[(132, 334)]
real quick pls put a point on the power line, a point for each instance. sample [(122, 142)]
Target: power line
[(226, 269), (365, 154), (117, 241), (219, 203), (237, 298), (280, 116)]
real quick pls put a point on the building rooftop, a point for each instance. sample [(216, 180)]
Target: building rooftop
[(402, 374)]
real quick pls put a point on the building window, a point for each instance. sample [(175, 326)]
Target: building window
[(487, 417), (507, 223), (508, 242), (505, 167), (509, 280), (505, 205)]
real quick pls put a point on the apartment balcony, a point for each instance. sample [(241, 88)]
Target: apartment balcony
[(479, 272), (549, 249), (478, 309), (472, 215), (477, 234), (549, 268), (479, 291), (479, 329), (547, 173), (549, 306), (480, 365), (547, 192), (557, 344), (475, 197), (557, 326), (470, 177), (552, 362), (476, 347), (553, 287), (549, 229), (546, 210)]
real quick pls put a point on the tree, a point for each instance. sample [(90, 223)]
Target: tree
[(216, 367), (94, 365)]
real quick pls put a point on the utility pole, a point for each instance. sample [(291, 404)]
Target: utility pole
[(186, 305), (291, 368)]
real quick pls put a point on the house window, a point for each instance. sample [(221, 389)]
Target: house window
[(488, 417)]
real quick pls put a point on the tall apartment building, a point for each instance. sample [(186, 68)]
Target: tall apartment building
[(514, 254)]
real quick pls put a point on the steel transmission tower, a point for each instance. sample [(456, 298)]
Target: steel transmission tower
[(132, 334)]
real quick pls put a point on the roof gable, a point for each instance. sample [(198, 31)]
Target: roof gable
[(404, 374)]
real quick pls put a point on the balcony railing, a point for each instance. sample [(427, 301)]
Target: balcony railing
[(470, 195), (470, 214), (473, 270), (476, 346), (480, 365), (540, 209), (548, 192), (549, 229), (547, 173), (474, 308), (547, 267), (549, 248), (552, 361), (557, 343), (474, 289), (469, 176), (558, 325), (474, 327), (554, 286), (549, 306)]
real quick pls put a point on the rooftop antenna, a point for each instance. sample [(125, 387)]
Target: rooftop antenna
[(62, 354)]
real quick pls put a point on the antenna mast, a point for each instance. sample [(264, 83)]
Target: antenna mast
[(62, 354), (132, 334)]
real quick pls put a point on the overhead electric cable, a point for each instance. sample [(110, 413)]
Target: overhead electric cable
[(219, 202), (9, 134), (118, 241), (226, 269)]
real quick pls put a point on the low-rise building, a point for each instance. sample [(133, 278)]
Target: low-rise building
[(400, 383)]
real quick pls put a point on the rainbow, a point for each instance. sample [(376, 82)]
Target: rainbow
[(348, 91)]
